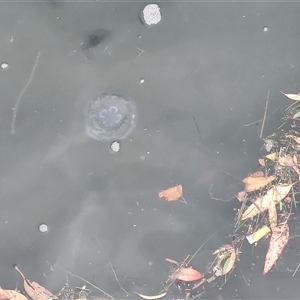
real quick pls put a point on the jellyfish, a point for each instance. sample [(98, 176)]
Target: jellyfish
[(110, 117)]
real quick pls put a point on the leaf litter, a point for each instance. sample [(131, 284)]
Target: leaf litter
[(266, 204), (34, 290)]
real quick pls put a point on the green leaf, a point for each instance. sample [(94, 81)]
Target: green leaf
[(225, 266), (296, 115)]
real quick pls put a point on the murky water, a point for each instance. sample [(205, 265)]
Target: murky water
[(205, 64)]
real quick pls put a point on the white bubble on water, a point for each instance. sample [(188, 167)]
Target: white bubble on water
[(151, 14), (115, 146), (4, 65), (43, 228)]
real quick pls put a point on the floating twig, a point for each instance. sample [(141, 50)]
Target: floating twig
[(113, 270), (15, 109), (265, 114)]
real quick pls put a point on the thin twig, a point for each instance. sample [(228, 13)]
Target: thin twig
[(265, 114), (296, 270), (141, 52), (91, 284), (258, 121), (200, 136), (15, 109), (204, 243), (113, 270)]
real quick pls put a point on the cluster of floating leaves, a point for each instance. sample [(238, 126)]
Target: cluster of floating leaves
[(267, 202)]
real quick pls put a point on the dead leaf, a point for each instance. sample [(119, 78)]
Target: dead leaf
[(229, 262), (241, 196), (226, 257), (272, 211), (295, 138), (287, 160), (11, 295), (256, 182), (172, 194), (257, 174), (271, 156), (262, 203), (152, 297), (34, 290), (295, 97), (279, 239)]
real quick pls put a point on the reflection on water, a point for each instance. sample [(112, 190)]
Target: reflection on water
[(198, 63)]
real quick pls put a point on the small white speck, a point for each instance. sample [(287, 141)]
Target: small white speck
[(266, 29), (4, 66), (142, 80), (148, 152), (43, 228), (115, 146)]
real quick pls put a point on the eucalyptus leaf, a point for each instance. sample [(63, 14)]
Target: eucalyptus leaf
[(296, 115)]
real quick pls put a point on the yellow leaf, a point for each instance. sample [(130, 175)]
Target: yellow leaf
[(295, 97), (271, 156), (262, 203), (152, 297), (272, 215), (257, 235)]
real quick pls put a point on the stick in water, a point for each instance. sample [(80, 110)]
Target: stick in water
[(265, 114), (15, 109)]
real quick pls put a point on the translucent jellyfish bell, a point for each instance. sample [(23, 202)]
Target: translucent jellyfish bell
[(110, 117)]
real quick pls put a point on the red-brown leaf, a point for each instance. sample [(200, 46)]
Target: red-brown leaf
[(188, 274), (279, 239)]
